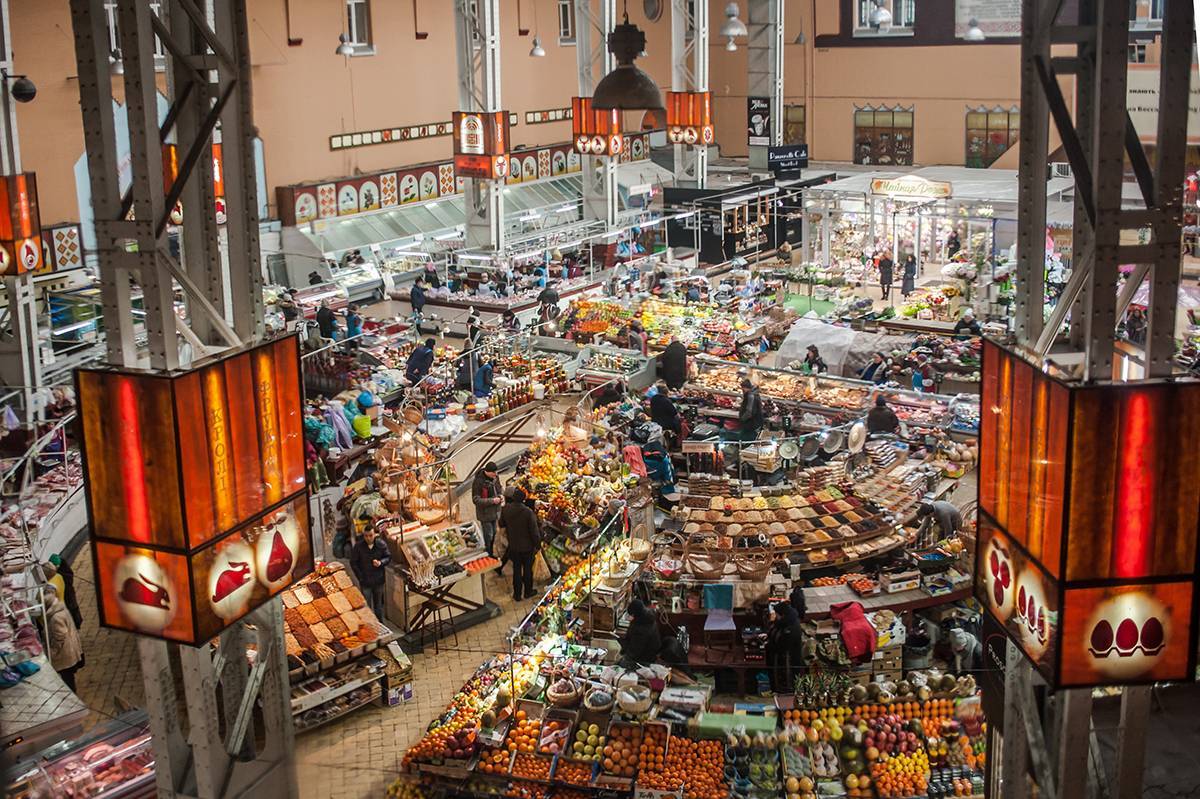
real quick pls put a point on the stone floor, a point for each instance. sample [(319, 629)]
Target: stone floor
[(358, 756)]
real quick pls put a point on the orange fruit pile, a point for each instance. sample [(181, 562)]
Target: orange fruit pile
[(529, 766), (697, 766), (523, 735), (493, 761), (653, 751), (573, 773), (621, 750)]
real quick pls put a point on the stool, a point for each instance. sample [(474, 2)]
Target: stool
[(435, 624)]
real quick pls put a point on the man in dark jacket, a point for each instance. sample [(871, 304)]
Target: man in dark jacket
[(750, 415), (881, 418), (674, 364), (785, 646), (641, 644), (326, 321), (485, 494), (524, 539), (368, 557), (420, 362), (416, 298), (886, 273), (663, 411)]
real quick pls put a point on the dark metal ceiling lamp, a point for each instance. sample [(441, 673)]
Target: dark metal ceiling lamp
[(627, 87)]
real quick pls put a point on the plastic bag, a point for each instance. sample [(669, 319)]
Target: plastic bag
[(541, 570)]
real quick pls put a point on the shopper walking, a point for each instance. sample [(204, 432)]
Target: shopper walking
[(368, 558), (886, 270), (487, 498), (908, 276), (641, 644), (354, 326), (675, 364), (62, 639), (785, 646), (520, 524), (416, 298)]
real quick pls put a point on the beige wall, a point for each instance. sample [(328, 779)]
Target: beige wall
[(305, 94)]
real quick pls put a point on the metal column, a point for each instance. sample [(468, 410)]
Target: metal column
[(764, 20), (208, 84), (689, 73), (477, 28), (1096, 138), (600, 194)]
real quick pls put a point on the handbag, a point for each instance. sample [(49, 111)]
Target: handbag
[(500, 542)]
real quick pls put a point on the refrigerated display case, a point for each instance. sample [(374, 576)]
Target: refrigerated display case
[(113, 761)]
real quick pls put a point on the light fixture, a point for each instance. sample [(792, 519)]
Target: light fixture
[(627, 87), (731, 45), (880, 16), (974, 32), (116, 66), (344, 47), (733, 26), (537, 51)]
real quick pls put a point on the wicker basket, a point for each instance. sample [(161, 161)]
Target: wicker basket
[(703, 559), (754, 564)]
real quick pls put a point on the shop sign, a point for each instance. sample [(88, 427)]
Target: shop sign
[(787, 158), (912, 186), (689, 118), (758, 121), (1088, 522), (20, 225), (481, 133), (1142, 100), (481, 167), (195, 485)]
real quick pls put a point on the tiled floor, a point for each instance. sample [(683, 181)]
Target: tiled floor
[(355, 757)]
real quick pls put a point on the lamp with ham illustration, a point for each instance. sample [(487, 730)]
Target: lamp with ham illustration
[(1033, 618), (145, 594), (276, 549), (999, 578), (231, 580), (1128, 635)]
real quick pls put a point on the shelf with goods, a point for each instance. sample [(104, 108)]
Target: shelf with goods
[(702, 327), (112, 760), (335, 647), (600, 364)]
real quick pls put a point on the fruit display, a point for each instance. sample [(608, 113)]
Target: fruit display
[(622, 750), (756, 767), (479, 564), (700, 327), (523, 734), (589, 744), (573, 772), (695, 766), (652, 753), (526, 790), (901, 775), (530, 766), (494, 761), (553, 736)]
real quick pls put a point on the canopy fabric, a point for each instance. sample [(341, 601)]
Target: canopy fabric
[(845, 351)]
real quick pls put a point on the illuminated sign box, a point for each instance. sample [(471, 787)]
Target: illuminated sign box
[(481, 145), (195, 483), (594, 131), (1089, 511), (20, 225), (689, 118)]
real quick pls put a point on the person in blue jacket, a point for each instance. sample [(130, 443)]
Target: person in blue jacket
[(420, 362), (484, 379)]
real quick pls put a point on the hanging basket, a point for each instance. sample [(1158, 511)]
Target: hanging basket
[(753, 565)]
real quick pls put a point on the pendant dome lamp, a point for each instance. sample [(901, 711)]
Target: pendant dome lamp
[(880, 17), (627, 87), (974, 32)]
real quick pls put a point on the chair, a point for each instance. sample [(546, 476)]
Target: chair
[(720, 631), (435, 625)]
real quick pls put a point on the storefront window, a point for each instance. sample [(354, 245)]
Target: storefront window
[(990, 134), (793, 124), (884, 136)]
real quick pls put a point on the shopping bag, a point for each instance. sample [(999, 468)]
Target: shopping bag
[(541, 570), (500, 542)]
